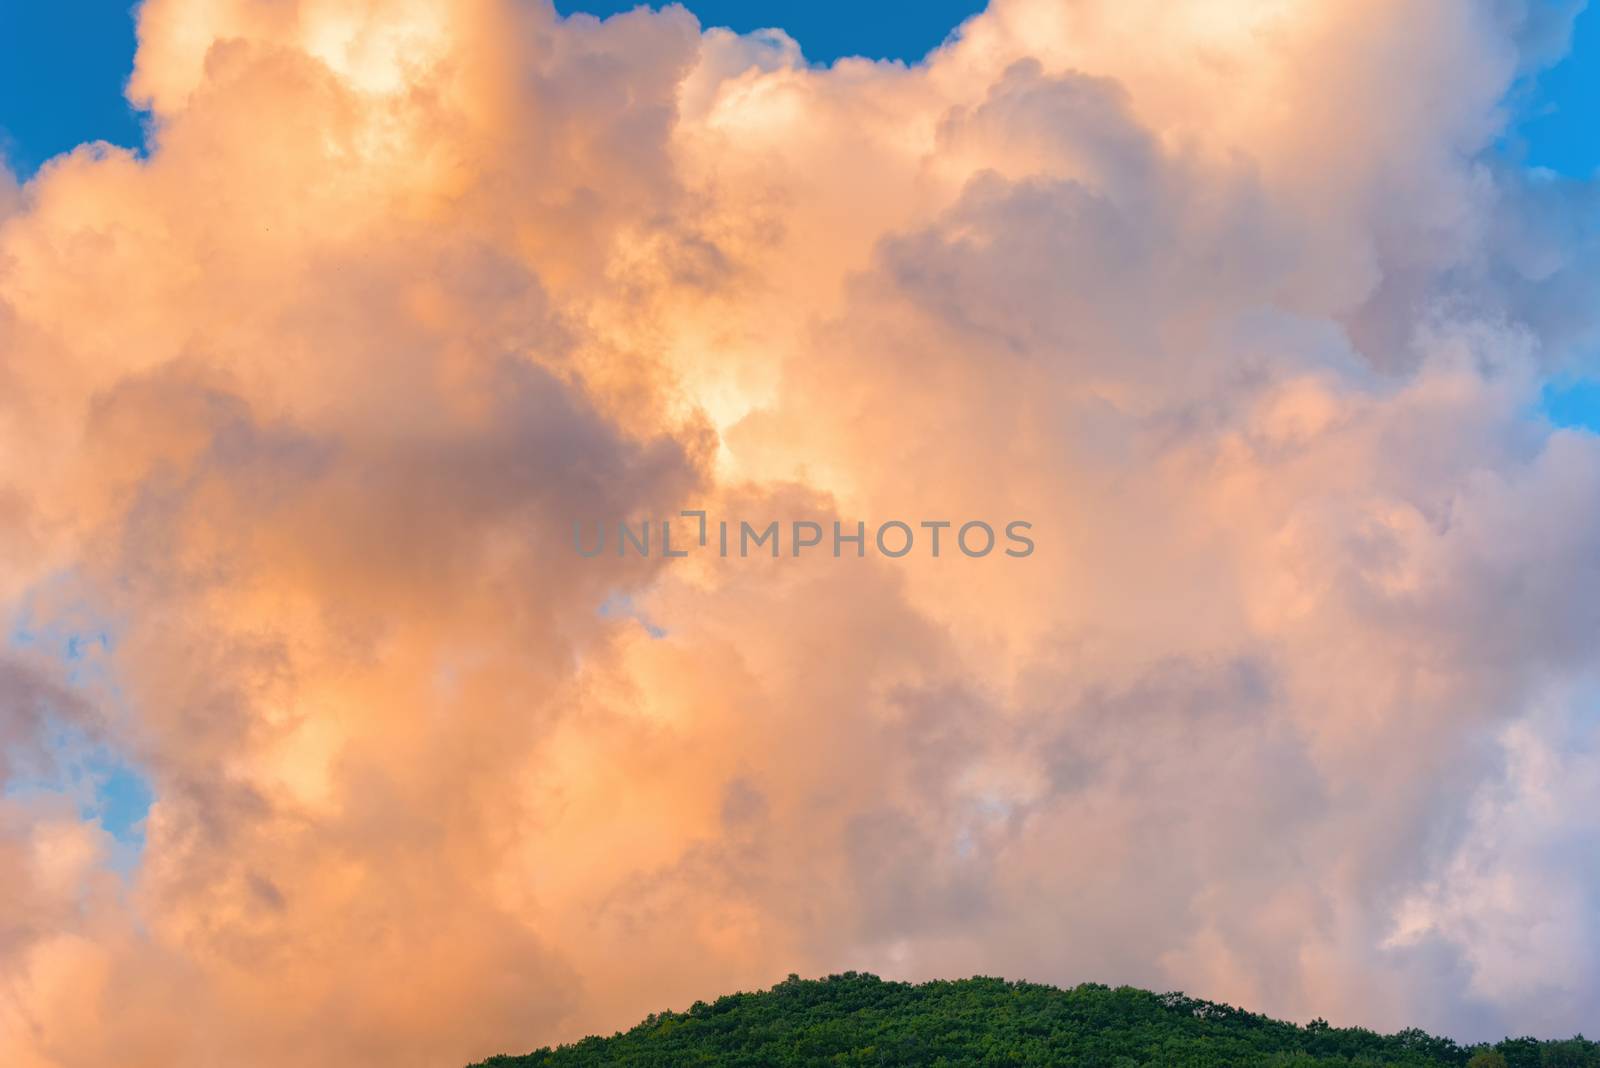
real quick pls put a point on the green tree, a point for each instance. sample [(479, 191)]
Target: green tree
[(860, 1021)]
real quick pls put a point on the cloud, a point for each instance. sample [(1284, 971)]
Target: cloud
[(1227, 300)]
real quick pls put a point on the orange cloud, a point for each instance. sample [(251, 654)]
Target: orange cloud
[(304, 405)]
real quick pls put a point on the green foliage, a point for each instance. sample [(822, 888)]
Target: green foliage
[(856, 1020)]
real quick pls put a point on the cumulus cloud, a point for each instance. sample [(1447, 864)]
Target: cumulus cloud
[(1288, 708)]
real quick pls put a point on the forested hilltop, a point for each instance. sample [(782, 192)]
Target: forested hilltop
[(857, 1019)]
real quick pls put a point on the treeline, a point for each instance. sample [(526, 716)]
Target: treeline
[(859, 1020)]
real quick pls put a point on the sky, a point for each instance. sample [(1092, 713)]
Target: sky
[(1558, 125), (62, 72), (303, 689), (63, 68)]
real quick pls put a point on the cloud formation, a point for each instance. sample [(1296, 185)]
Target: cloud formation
[(1292, 707)]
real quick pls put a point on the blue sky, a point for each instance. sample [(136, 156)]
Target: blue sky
[(62, 69), (1559, 127), (63, 66), (103, 783), (826, 29)]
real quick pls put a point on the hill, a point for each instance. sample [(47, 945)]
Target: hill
[(858, 1020)]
